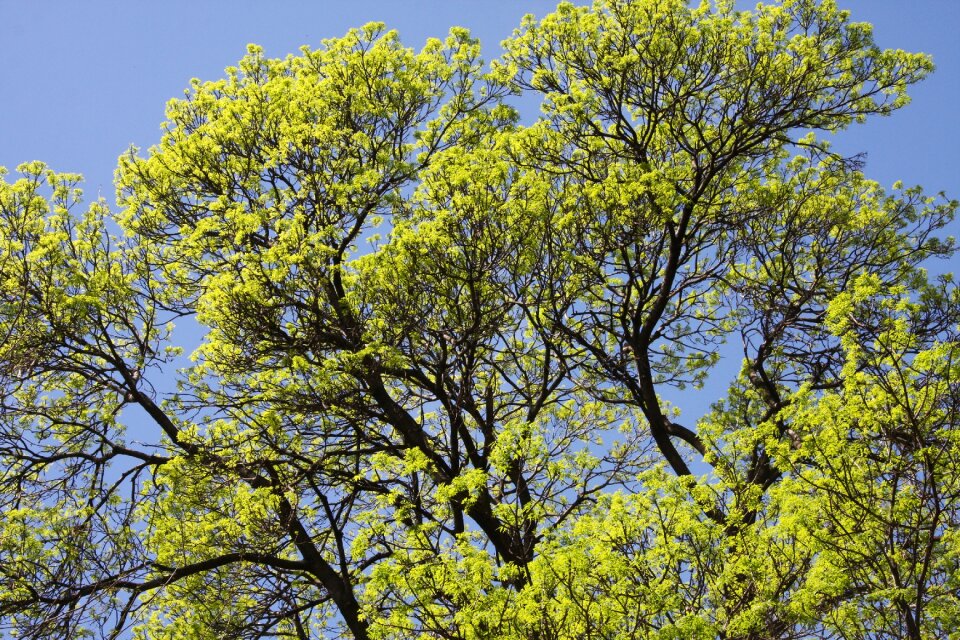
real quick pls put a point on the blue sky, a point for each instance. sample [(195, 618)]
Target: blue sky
[(83, 80)]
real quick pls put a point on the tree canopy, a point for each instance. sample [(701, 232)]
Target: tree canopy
[(445, 353)]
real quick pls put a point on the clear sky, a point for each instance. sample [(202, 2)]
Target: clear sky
[(81, 81)]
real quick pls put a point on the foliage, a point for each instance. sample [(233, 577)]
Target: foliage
[(430, 398)]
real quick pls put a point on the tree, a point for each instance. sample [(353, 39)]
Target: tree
[(429, 399)]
